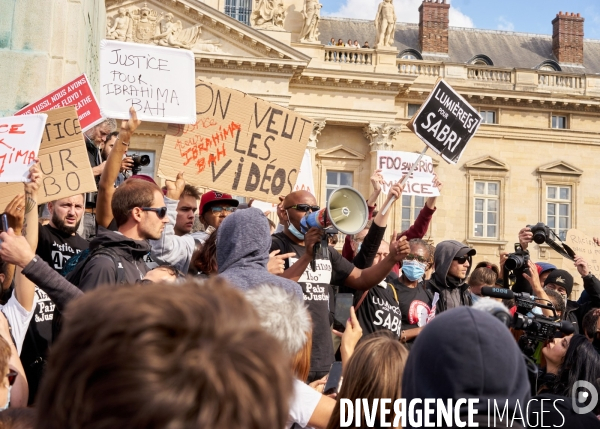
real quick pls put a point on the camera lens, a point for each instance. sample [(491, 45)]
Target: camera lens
[(144, 160), (514, 262), (539, 237)]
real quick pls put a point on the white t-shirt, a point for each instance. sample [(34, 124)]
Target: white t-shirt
[(303, 405), (18, 318)]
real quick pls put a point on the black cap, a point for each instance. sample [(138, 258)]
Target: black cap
[(561, 278), (465, 251)]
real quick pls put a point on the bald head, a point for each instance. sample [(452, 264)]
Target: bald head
[(299, 197)]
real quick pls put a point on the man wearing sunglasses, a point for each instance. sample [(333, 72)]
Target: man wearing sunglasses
[(452, 266), (140, 215)]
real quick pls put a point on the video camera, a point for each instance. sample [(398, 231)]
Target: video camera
[(139, 161), (536, 328)]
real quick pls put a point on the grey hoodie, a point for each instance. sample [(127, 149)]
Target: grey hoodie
[(243, 244), (451, 295)]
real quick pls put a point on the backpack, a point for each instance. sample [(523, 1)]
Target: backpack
[(75, 265)]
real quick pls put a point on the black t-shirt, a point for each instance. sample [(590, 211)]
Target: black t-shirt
[(379, 310), (318, 295), (415, 304)]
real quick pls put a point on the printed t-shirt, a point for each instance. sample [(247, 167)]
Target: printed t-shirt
[(318, 295)]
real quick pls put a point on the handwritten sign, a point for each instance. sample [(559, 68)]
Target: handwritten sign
[(395, 165), (238, 144), (76, 93), (445, 122), (158, 82), (63, 159), (20, 138), (585, 247)]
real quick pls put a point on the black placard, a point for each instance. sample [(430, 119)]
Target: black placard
[(445, 122)]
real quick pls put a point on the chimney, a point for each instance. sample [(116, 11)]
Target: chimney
[(433, 26), (567, 38)]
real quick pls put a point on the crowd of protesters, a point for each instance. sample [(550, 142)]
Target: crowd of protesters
[(119, 313)]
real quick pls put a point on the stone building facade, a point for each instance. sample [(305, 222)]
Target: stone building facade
[(536, 157)]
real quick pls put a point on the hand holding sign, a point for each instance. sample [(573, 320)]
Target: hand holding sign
[(129, 126)]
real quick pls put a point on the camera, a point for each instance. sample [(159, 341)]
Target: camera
[(139, 161), (516, 264), (540, 232)]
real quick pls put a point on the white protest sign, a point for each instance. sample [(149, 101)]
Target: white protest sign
[(394, 165), (20, 139), (158, 82), (304, 182)]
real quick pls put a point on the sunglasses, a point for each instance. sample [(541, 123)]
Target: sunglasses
[(305, 208), (462, 259), (143, 282), (412, 257), (12, 376), (222, 209), (160, 212)]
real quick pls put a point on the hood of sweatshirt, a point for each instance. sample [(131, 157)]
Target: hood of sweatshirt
[(443, 256), (467, 353), (243, 244), (124, 245)]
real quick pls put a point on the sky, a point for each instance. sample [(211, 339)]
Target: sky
[(526, 16)]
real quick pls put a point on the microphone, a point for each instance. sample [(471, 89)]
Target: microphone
[(499, 292), (495, 308), (566, 327)]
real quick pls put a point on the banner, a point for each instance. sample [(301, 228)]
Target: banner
[(239, 145), (394, 165), (20, 138), (158, 82), (585, 247), (63, 160), (76, 93), (445, 122)]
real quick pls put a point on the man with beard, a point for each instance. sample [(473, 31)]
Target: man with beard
[(57, 243)]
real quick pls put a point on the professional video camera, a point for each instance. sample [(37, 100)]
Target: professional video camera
[(536, 328), (139, 161)]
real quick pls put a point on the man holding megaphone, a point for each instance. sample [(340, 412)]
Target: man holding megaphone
[(304, 225)]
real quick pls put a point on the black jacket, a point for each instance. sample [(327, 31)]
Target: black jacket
[(101, 270), (444, 254)]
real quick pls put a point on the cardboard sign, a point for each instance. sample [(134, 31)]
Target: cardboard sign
[(585, 247), (158, 82), (76, 93), (395, 165), (239, 145), (20, 138), (445, 122), (63, 159), (304, 182)]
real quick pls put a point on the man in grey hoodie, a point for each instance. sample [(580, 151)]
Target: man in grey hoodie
[(452, 266), (243, 245)]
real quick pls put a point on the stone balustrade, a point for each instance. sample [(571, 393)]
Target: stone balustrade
[(561, 80), (420, 68), (348, 55), (489, 74)]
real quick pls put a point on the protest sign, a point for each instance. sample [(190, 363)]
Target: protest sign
[(158, 82), (445, 122), (20, 138), (76, 93), (394, 165), (238, 144), (63, 160), (585, 247), (304, 182)]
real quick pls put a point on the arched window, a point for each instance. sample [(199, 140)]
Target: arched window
[(481, 60), (549, 65), (410, 54)]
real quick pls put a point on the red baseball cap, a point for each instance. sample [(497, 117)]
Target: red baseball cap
[(211, 197)]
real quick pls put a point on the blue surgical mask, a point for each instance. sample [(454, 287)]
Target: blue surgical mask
[(358, 248), (413, 270), (7, 400), (294, 230)]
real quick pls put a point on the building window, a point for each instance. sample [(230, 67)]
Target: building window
[(559, 122), (148, 170), (239, 9), (558, 209), (410, 54), (481, 60), (411, 207), (488, 116), (337, 179), (486, 202), (412, 109)]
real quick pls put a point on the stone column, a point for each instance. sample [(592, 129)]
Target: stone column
[(381, 137)]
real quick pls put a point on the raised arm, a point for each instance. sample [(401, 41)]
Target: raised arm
[(106, 187)]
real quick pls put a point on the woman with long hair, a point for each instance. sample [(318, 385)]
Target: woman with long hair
[(373, 371)]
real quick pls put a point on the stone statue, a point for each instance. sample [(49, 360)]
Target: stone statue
[(385, 24), (311, 14), (144, 25), (120, 26), (173, 35), (268, 15)]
